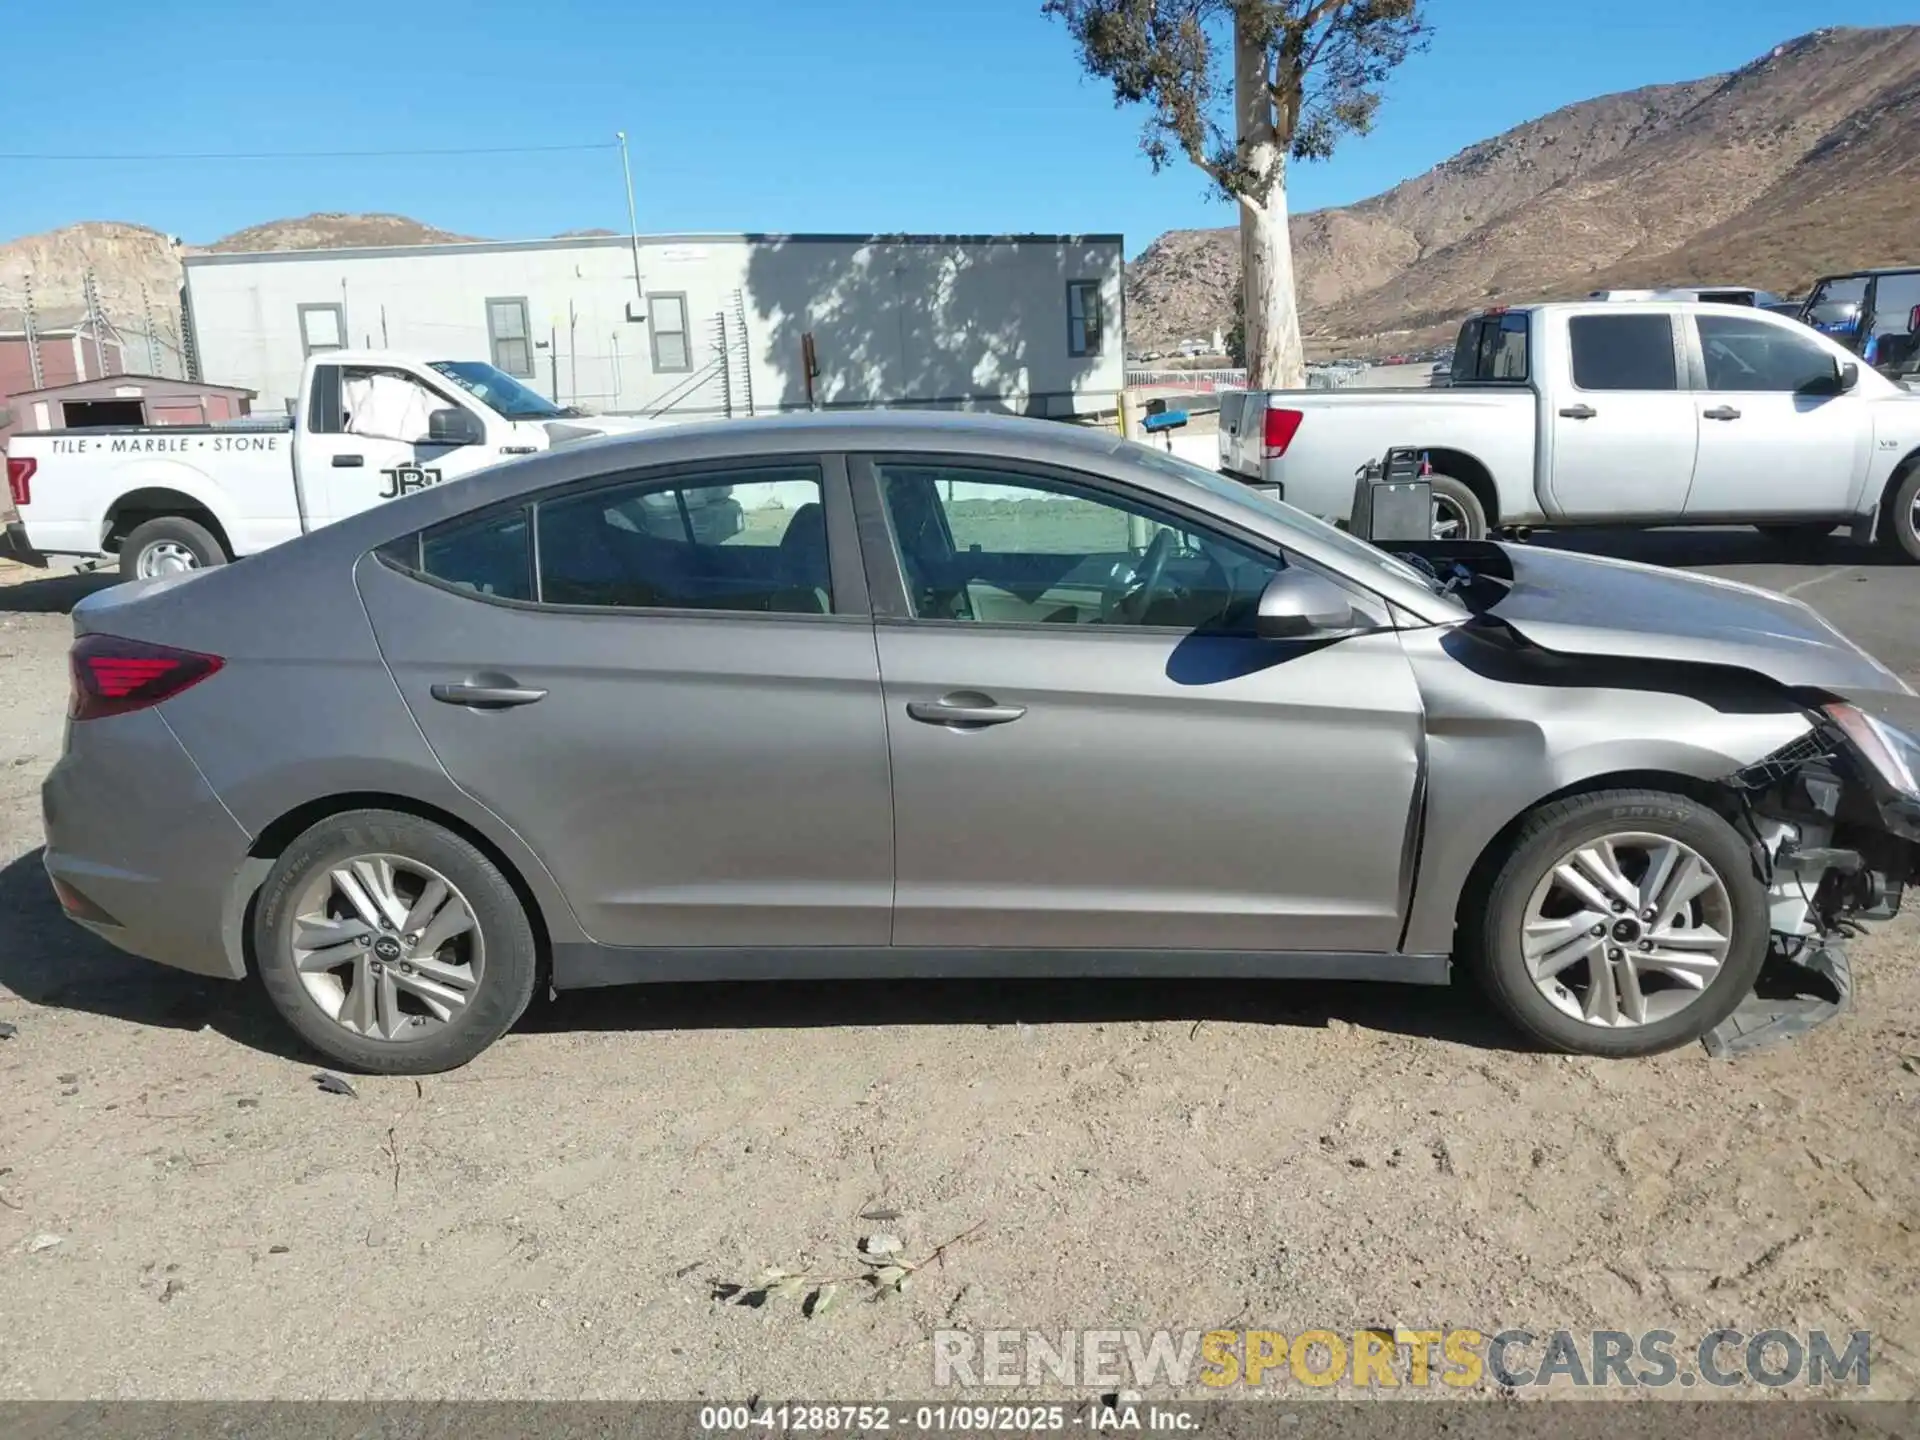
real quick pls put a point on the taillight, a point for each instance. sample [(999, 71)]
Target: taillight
[(1282, 426), (112, 676), (20, 470)]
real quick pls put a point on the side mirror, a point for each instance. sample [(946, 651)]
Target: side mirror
[(1297, 605), (454, 426), (1846, 375)]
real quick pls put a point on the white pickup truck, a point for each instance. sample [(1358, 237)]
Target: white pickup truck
[(371, 425), (1603, 413)]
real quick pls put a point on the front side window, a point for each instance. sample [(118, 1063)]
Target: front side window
[(1083, 317), (667, 328), (509, 337), (1623, 352), (1894, 344), (1743, 354), (386, 405), (750, 540), (995, 547)]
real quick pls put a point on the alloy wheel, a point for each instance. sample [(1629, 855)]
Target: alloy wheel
[(1449, 520), (1627, 929), (166, 557), (387, 947)]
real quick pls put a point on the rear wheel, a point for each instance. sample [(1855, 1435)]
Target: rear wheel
[(1621, 923), (393, 945), (1457, 511), (168, 545)]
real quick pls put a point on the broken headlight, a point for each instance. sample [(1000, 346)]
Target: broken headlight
[(1893, 754)]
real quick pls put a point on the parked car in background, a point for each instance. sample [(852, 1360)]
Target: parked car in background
[(372, 425), (1706, 294), (965, 696), (1597, 413), (1874, 313)]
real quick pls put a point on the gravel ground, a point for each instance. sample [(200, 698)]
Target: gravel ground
[(553, 1220)]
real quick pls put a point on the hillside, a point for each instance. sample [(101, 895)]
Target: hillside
[(1801, 161)]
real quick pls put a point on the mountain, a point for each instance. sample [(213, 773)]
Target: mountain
[(1804, 160), (327, 230)]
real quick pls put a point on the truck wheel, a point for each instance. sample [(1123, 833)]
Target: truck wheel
[(1457, 512), (166, 546), (1900, 520)]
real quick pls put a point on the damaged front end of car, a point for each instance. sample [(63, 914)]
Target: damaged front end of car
[(1834, 820)]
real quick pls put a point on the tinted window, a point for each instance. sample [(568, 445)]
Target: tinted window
[(1623, 352), (1001, 548), (1744, 354), (1492, 347), (491, 555), (752, 540), (1895, 341)]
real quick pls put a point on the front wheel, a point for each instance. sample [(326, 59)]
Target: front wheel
[(1457, 511), (392, 945), (1900, 519), (168, 545), (1621, 923)]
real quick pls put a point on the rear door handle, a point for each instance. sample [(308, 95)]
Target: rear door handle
[(964, 710), (348, 462), (487, 697), (1579, 412), (1720, 412)]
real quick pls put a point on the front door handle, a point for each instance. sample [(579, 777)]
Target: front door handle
[(1579, 412), (963, 710), (348, 462), (487, 697), (1720, 412)]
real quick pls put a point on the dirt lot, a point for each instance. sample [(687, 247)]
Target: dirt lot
[(552, 1220)]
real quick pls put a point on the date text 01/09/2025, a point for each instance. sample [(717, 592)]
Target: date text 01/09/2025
[(945, 1419)]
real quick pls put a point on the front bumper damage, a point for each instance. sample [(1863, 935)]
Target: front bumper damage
[(1837, 848)]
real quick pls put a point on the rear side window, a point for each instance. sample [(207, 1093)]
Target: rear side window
[(1492, 348), (491, 555), (1623, 352), (751, 540)]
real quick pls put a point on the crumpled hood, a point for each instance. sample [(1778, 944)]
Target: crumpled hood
[(1586, 605)]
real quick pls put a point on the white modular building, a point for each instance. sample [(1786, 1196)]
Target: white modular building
[(693, 325)]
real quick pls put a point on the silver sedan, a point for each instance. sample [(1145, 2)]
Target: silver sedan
[(891, 695)]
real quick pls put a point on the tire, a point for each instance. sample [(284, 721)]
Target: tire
[(1673, 1013), (187, 544), (1798, 535), (1459, 497), (1899, 526), (489, 967)]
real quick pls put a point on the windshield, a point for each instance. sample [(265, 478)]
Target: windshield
[(499, 391), (1346, 544)]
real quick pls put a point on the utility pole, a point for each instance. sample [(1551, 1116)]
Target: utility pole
[(633, 215), (33, 334)]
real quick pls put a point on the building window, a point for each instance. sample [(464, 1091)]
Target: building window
[(1083, 317), (322, 327), (667, 329), (507, 334)]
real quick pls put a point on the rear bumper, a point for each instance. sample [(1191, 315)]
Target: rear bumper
[(14, 546), (141, 850)]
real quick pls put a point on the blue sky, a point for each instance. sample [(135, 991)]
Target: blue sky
[(941, 115)]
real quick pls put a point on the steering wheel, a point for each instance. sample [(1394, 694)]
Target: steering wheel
[(1141, 588)]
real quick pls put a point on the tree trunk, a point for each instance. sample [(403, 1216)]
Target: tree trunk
[(1274, 356), (1275, 359)]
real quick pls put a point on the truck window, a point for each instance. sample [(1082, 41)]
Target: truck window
[(1892, 344), (1623, 352), (1834, 308), (386, 405), (1492, 348), (1743, 354)]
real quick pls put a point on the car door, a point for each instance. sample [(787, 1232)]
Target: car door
[(1620, 429), (369, 436), (678, 707), (1090, 755), (1777, 435)]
